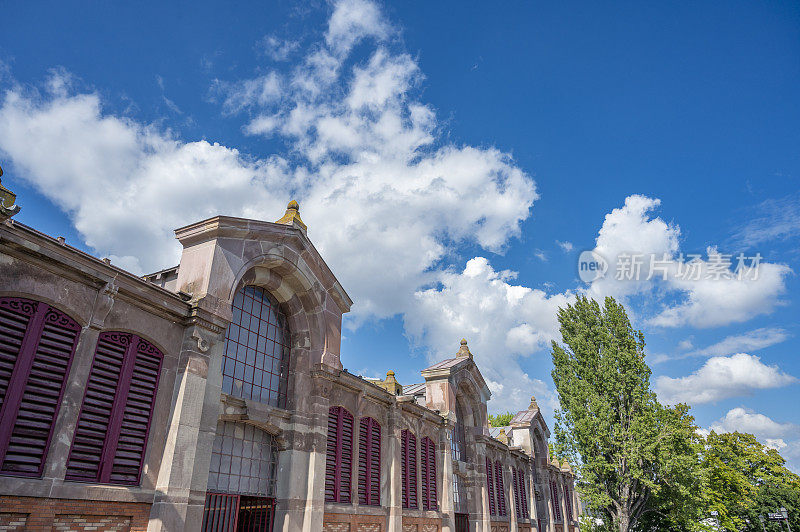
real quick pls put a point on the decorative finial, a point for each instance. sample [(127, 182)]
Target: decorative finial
[(7, 198), (292, 216), (534, 405), (502, 437), (463, 351), (391, 385)]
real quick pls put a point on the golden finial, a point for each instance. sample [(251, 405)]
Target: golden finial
[(292, 216), (7, 198), (463, 351), (534, 405), (502, 437)]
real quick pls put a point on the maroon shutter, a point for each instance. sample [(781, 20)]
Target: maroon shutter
[(501, 493), (37, 343), (339, 455), (111, 435), (523, 494), (428, 474), (515, 486), (568, 500), (556, 506), (490, 486), (369, 458), (408, 452)]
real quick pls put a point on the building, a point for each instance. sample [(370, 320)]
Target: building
[(212, 397)]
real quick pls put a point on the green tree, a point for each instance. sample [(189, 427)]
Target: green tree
[(630, 451), (745, 479), (500, 420)]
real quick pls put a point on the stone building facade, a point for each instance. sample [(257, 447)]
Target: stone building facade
[(212, 396)]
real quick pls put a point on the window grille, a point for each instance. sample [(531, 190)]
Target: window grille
[(111, 435), (257, 346), (244, 460), (428, 474), (408, 453), (37, 344), (459, 502), (339, 455), (369, 462)]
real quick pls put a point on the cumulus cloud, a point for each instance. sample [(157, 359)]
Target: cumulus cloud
[(749, 341), (722, 378), (746, 420), (643, 255)]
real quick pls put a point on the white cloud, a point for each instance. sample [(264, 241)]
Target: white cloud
[(566, 245), (352, 21), (746, 420), (278, 49), (748, 341), (240, 95), (634, 242), (722, 378)]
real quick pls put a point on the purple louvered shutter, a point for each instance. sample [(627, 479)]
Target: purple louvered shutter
[(408, 451), (339, 455), (523, 494), (37, 344), (369, 462), (111, 435), (556, 505), (501, 493), (568, 501), (515, 485), (428, 474), (490, 486)]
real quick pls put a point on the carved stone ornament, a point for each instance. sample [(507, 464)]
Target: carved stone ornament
[(8, 207), (202, 344)]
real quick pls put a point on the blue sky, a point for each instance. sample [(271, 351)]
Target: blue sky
[(452, 161)]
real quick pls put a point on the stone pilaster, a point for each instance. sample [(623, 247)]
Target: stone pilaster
[(183, 477), (448, 506), (394, 497)]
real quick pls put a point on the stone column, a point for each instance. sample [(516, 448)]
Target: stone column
[(448, 505), (394, 495), (183, 477)]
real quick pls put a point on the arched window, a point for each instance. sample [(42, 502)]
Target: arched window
[(256, 362), (428, 450), (408, 456), (111, 435), (369, 462), (339, 455), (37, 343)]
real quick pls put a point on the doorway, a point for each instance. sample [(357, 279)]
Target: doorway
[(462, 522), (225, 512)]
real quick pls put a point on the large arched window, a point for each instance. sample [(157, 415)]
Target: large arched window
[(111, 435), (256, 363), (458, 443), (37, 343)]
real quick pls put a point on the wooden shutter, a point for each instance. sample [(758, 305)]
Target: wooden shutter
[(556, 506), (568, 501), (428, 474), (523, 494), (37, 344), (501, 493), (515, 485), (111, 435), (339, 455), (369, 462), (490, 487), (408, 452)]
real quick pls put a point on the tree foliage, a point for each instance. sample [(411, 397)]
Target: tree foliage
[(632, 454), (500, 420), (744, 480)]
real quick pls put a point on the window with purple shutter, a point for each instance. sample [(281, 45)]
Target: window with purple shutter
[(556, 505), (568, 501), (37, 343), (428, 451), (257, 345), (515, 485), (500, 490), (408, 456), (490, 487), (369, 462), (523, 493), (339, 455), (111, 436)]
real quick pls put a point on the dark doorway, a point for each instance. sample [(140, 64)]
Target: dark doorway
[(462, 522), (238, 513)]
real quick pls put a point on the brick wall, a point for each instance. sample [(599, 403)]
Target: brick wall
[(47, 515)]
